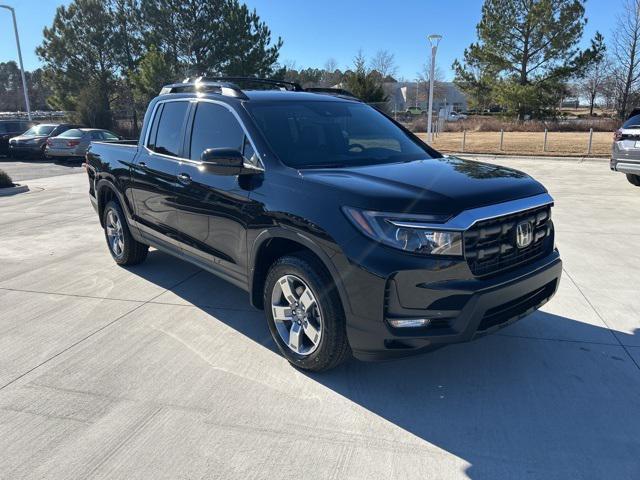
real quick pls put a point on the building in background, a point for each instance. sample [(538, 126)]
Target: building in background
[(446, 96)]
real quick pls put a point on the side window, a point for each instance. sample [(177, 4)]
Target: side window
[(109, 136), (97, 136), (169, 136), (249, 153), (214, 127), (151, 143)]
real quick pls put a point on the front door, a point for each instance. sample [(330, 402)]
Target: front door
[(211, 207), (154, 175)]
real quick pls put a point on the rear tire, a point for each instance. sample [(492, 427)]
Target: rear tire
[(633, 179), (323, 319), (124, 249)]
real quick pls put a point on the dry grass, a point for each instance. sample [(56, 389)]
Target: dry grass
[(494, 124), (525, 143)]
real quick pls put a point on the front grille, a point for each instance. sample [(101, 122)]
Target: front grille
[(490, 245)]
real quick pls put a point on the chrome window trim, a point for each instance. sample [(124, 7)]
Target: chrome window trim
[(466, 219), (196, 100)]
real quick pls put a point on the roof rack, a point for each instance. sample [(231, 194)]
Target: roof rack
[(228, 86), (340, 92), (203, 85), (293, 86)]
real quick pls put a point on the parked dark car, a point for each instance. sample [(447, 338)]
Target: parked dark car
[(33, 142), (75, 142), (9, 129), (351, 233)]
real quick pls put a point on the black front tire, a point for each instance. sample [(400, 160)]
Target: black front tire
[(633, 179), (132, 251), (334, 347)]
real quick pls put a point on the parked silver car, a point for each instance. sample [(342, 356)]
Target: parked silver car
[(625, 154), (75, 142), (32, 143)]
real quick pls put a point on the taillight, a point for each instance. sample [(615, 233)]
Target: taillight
[(617, 135), (73, 143)]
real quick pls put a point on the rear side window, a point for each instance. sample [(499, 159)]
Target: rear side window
[(214, 127), (109, 136), (633, 122), (169, 134), (73, 133), (96, 136), (63, 128)]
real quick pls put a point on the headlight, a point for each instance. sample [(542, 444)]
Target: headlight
[(411, 233)]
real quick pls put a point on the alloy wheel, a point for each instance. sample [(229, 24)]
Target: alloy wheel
[(296, 315), (115, 234)]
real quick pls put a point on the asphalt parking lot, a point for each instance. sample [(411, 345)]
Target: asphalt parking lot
[(164, 371)]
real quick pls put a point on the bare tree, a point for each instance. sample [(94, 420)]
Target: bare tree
[(609, 91), (384, 63), (592, 84), (626, 54), (331, 75), (439, 88), (331, 65), (290, 64)]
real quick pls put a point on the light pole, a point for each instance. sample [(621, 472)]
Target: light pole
[(24, 81), (434, 40)]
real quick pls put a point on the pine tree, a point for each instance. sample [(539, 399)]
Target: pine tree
[(530, 48)]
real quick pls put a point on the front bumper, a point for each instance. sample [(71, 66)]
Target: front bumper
[(460, 308), (25, 150)]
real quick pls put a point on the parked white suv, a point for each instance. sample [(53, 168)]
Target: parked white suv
[(625, 153)]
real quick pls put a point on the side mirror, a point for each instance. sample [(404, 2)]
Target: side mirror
[(223, 161)]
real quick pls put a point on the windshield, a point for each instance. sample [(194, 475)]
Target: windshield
[(332, 134), (39, 130)]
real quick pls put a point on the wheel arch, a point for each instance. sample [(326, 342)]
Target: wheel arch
[(106, 191), (274, 243)]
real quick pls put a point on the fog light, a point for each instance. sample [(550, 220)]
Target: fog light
[(409, 322)]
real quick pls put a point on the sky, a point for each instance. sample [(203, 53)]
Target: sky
[(332, 29)]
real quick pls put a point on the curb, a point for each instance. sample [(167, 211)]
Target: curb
[(492, 156), (5, 192)]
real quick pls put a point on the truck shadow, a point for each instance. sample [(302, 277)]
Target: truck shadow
[(549, 397)]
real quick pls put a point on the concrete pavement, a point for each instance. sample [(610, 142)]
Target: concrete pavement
[(21, 170), (164, 371)]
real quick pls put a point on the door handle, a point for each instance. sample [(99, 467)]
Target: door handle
[(142, 165), (184, 178)]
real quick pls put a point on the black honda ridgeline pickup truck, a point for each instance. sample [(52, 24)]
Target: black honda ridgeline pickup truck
[(354, 236)]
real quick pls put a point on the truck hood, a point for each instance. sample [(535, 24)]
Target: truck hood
[(444, 186)]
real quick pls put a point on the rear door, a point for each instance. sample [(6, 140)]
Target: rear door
[(154, 173), (211, 207)]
